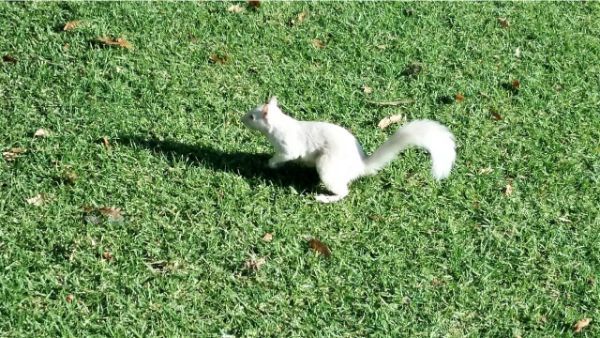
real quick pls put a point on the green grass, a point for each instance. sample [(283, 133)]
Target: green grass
[(410, 256)]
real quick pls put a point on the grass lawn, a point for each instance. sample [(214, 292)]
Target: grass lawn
[(153, 199)]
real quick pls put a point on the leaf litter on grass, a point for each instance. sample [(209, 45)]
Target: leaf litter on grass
[(319, 247), (268, 237), (317, 43), (581, 324), (95, 216), (254, 263), (37, 200), (41, 133), (9, 58), (118, 42), (11, 154), (71, 25), (387, 121)]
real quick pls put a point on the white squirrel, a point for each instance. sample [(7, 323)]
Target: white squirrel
[(335, 152)]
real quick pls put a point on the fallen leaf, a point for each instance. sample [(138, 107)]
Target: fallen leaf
[(581, 324), (37, 200), (392, 103), (459, 97), (382, 47), (385, 122), (518, 52), (69, 298), (409, 11), (485, 171), (516, 84), (9, 58), (254, 264), (69, 177), (508, 189), (412, 70), (112, 214), (105, 141), (496, 115), (437, 282), (235, 9), (366, 89), (319, 247), (218, 58), (71, 25), (11, 154), (299, 18), (121, 42), (107, 256), (504, 23), (41, 133), (318, 43), (254, 4), (268, 237)]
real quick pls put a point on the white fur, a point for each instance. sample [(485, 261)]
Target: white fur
[(335, 152)]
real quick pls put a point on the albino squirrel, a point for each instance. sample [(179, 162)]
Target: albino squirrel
[(336, 153)]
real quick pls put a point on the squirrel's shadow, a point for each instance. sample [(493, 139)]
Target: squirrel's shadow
[(252, 166)]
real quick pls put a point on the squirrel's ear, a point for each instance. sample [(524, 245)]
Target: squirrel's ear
[(273, 101), (265, 110)]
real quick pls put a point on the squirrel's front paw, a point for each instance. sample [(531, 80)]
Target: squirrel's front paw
[(328, 198)]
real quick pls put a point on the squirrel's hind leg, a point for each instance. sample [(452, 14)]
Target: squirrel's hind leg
[(335, 179)]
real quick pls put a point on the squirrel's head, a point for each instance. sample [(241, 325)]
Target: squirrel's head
[(262, 117)]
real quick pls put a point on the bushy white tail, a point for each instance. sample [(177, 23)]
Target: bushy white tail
[(426, 134)]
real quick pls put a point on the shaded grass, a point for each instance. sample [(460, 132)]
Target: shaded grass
[(411, 257)]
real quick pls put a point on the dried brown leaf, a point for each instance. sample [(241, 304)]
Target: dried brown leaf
[(69, 177), (504, 23), (254, 263), (518, 52), (301, 16), (496, 115), (508, 189), (105, 141), (72, 25), (581, 324), (9, 58), (37, 200), (366, 89), (218, 58), (69, 298), (11, 154), (385, 122), (41, 133), (120, 42), (267, 237), (485, 171), (318, 43), (459, 97), (319, 247), (112, 214), (107, 256), (516, 84), (235, 9), (254, 4)]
